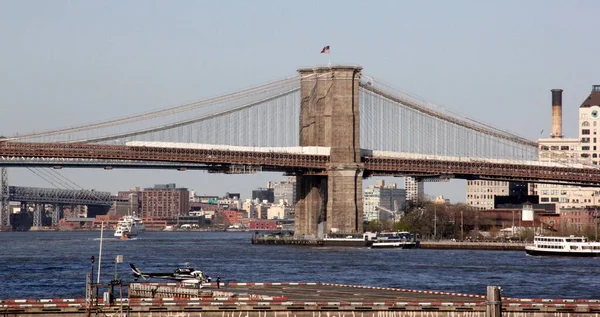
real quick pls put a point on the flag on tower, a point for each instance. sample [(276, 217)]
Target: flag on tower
[(325, 49)]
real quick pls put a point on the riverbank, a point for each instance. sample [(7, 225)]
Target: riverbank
[(441, 245)]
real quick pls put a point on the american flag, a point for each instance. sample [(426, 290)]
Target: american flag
[(325, 49)]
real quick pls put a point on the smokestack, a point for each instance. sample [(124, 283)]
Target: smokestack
[(557, 114)]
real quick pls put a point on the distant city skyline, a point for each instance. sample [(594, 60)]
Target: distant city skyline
[(70, 63)]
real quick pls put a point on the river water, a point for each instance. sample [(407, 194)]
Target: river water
[(54, 265)]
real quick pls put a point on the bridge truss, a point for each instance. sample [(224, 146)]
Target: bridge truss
[(4, 198), (59, 196)]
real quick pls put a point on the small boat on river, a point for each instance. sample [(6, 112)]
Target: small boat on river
[(563, 246)]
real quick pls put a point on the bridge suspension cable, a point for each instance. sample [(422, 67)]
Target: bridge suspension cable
[(400, 122), (48, 178), (417, 103), (189, 122), (256, 92)]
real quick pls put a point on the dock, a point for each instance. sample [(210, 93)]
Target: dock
[(442, 244), (300, 299)]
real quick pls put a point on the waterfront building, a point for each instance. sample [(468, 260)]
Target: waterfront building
[(481, 193), (262, 210), (415, 191), (129, 202), (381, 202), (250, 208), (583, 150), (579, 221), (233, 217), (264, 194), (280, 212), (262, 224), (164, 201), (285, 191)]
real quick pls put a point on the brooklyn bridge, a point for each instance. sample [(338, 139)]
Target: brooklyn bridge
[(329, 126)]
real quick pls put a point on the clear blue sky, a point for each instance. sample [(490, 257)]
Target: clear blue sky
[(65, 63)]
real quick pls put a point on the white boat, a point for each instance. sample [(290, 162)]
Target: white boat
[(398, 239), (129, 226), (563, 246), (352, 240)]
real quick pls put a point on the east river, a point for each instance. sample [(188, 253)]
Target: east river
[(54, 265)]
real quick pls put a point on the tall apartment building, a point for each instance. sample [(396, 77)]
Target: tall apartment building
[(389, 198), (286, 191), (415, 191), (164, 201), (585, 150)]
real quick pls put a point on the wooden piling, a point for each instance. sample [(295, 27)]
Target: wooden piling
[(494, 302)]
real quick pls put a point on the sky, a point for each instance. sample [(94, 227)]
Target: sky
[(66, 63)]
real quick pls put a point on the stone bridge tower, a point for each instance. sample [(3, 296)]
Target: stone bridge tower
[(329, 116)]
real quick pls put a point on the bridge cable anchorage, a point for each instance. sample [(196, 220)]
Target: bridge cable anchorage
[(262, 89)]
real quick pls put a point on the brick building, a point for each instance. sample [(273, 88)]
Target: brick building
[(164, 201)]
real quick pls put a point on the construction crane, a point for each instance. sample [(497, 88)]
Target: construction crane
[(396, 214)]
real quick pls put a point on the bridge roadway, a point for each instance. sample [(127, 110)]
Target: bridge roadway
[(221, 160), (300, 300)]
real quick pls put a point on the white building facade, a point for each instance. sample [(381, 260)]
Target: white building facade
[(584, 150), (415, 191)]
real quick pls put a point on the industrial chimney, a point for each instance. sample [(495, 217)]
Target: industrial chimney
[(557, 113)]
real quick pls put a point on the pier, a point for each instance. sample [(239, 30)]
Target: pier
[(300, 299), (443, 244)]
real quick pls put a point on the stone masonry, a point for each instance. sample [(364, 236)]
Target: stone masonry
[(329, 116)]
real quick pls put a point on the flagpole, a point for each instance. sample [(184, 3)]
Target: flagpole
[(329, 61)]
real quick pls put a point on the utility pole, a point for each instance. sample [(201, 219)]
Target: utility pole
[(434, 221), (512, 229), (461, 225)]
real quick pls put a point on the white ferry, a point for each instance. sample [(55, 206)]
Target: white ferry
[(129, 226), (350, 240), (398, 239), (563, 246)]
